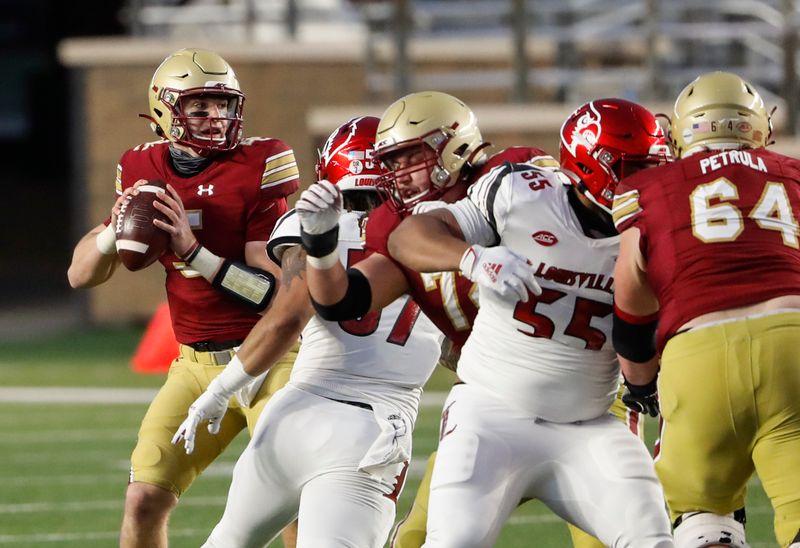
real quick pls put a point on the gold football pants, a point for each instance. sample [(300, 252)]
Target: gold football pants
[(730, 400), (155, 460)]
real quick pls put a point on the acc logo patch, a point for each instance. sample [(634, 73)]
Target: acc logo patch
[(544, 238)]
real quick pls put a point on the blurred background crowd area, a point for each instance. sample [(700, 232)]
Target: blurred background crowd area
[(75, 77)]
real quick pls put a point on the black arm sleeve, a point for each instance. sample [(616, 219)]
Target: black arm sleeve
[(355, 303), (635, 342)]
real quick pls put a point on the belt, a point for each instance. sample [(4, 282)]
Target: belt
[(362, 405), (213, 346), (220, 357)]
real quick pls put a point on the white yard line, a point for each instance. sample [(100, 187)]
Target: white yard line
[(26, 394), (98, 535)]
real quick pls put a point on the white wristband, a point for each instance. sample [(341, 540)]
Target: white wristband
[(233, 377), (106, 241), (467, 263), (206, 263), (324, 263)]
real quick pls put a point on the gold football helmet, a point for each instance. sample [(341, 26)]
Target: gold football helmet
[(435, 120), (191, 73), (718, 110)]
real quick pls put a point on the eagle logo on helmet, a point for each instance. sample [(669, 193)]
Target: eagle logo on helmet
[(587, 131)]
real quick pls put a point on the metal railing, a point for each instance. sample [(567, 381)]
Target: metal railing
[(641, 49)]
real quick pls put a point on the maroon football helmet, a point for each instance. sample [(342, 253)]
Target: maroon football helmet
[(606, 140), (346, 159)]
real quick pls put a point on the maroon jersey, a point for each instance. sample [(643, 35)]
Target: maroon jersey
[(236, 199), (447, 298), (719, 231)]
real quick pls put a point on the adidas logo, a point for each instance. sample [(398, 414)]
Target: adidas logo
[(492, 270)]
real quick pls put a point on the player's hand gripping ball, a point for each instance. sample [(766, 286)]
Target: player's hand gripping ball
[(139, 241)]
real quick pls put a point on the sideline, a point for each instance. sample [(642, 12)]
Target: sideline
[(50, 394)]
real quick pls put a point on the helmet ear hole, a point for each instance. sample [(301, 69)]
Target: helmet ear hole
[(460, 151)]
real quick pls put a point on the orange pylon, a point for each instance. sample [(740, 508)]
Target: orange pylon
[(158, 346)]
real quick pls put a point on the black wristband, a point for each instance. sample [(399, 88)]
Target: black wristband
[(320, 245)]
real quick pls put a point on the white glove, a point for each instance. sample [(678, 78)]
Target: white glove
[(319, 207), (212, 404), (501, 270)]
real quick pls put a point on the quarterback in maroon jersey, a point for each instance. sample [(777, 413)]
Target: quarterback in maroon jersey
[(224, 195), (710, 264)]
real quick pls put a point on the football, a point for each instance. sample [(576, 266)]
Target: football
[(139, 241)]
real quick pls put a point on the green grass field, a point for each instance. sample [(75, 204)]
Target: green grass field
[(63, 466)]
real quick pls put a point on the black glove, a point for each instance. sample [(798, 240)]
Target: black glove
[(642, 398)]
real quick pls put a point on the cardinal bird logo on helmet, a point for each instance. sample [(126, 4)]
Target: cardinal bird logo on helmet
[(587, 131)]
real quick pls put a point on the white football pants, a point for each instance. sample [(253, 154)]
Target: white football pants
[(302, 461), (596, 475)]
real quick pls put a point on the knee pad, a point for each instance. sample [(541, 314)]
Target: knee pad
[(701, 529)]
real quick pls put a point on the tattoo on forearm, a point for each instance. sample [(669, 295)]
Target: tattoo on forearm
[(293, 265)]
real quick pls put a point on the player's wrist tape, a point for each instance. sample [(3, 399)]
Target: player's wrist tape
[(205, 262), (468, 260), (324, 263), (248, 285), (355, 303), (232, 378), (320, 245), (634, 336), (106, 241)]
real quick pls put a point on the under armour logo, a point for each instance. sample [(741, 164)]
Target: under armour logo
[(209, 190)]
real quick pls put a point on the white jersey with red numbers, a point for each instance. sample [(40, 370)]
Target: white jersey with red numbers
[(531, 420), (552, 356), (384, 357), (340, 430)]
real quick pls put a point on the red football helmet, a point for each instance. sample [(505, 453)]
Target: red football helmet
[(346, 159), (606, 140)]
